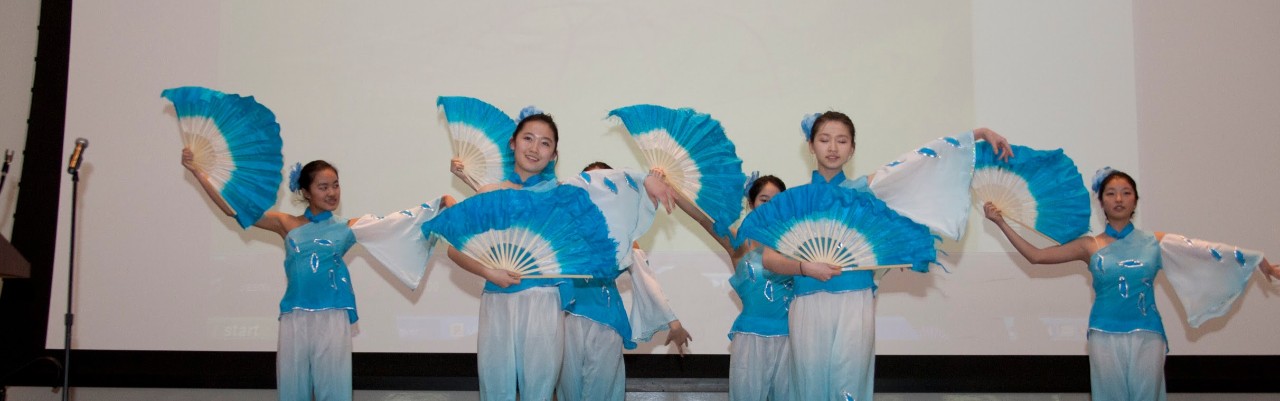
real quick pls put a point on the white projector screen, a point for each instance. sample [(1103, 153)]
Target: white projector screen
[(159, 268)]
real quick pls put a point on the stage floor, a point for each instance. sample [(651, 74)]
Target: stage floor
[(121, 394)]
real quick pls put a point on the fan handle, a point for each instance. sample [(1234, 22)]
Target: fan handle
[(1024, 225), (1032, 229), (582, 276), (857, 268)]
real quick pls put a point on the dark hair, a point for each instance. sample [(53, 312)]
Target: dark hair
[(758, 186), (555, 132), (1117, 175), (597, 166), (832, 116), (308, 173)]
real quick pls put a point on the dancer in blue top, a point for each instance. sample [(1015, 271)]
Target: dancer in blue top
[(597, 328), (1127, 342), (832, 319), (759, 351), (319, 307), (521, 332), (521, 335), (650, 310)]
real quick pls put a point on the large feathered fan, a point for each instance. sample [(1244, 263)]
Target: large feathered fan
[(691, 148), (478, 133), (236, 142), (557, 233), (1039, 189), (839, 226)]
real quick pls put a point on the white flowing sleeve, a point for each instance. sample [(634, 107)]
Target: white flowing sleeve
[(622, 199), (650, 311), (1206, 276), (930, 185), (396, 240)]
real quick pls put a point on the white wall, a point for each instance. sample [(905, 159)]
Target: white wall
[(1208, 95)]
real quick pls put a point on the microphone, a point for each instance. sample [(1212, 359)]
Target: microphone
[(74, 165)]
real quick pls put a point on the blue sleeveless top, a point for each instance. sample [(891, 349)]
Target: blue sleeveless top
[(846, 281), (317, 277), (766, 297), (1123, 276)]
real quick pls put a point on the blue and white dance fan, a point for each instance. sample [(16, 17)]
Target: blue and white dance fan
[(478, 133), (1039, 189), (552, 234), (236, 142), (699, 160), (839, 226)]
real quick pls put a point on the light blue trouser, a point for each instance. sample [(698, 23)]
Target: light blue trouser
[(519, 344), (833, 337), (593, 368), (314, 355), (1126, 366), (760, 368)]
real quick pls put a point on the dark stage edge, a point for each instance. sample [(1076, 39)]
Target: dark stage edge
[(457, 372)]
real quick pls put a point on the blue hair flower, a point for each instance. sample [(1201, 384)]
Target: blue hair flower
[(529, 111), (294, 173), (751, 180), (806, 125), (1099, 176)]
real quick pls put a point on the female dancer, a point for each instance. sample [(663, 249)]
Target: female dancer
[(760, 355), (832, 319), (521, 332), (319, 307), (1127, 344), (521, 335), (650, 310), (597, 328)]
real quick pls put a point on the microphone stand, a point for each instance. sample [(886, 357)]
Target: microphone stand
[(71, 270)]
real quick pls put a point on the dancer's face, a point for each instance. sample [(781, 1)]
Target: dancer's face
[(1119, 200), (324, 192), (766, 193), (832, 145), (534, 147)]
